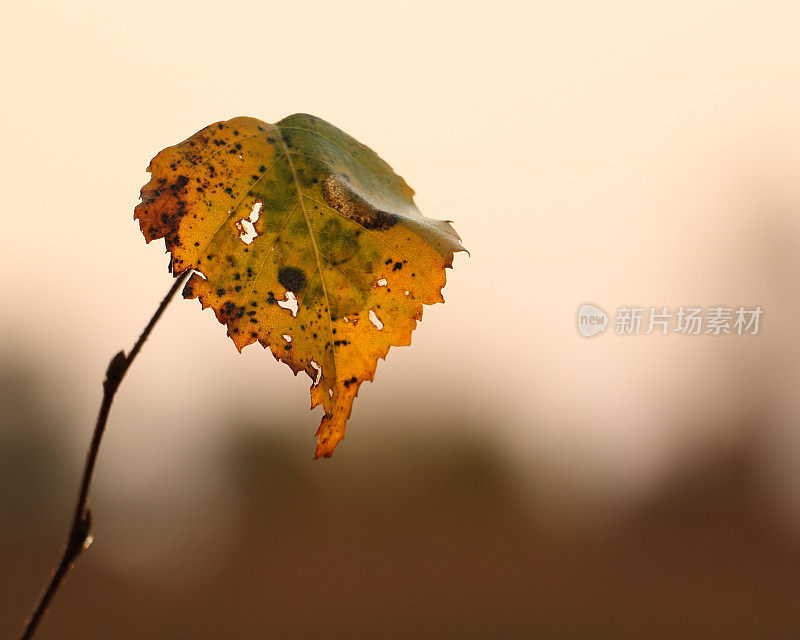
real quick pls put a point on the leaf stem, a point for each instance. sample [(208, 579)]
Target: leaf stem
[(78, 538)]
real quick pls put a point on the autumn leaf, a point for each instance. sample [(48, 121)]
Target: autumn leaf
[(304, 240)]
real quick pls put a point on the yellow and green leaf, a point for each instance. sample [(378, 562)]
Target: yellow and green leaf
[(304, 240)]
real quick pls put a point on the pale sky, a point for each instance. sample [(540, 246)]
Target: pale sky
[(621, 153)]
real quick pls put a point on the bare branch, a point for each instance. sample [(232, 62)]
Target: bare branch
[(79, 533)]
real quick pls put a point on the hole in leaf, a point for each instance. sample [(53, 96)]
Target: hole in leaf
[(246, 226), (287, 337), (319, 372), (382, 282), (330, 392), (289, 303), (373, 318)]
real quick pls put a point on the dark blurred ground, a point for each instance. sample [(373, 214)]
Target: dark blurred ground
[(434, 539)]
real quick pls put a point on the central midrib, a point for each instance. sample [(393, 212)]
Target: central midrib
[(297, 187)]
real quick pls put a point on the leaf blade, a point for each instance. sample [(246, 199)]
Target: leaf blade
[(338, 262)]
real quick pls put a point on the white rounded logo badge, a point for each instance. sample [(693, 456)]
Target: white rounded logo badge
[(591, 320)]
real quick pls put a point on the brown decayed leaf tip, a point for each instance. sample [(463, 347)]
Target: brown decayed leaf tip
[(304, 240)]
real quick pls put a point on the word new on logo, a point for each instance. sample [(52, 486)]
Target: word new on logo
[(591, 320)]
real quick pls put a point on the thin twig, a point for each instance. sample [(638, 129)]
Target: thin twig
[(79, 538)]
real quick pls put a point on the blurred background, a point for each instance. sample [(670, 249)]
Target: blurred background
[(504, 477)]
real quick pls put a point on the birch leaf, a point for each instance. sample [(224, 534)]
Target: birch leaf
[(301, 239)]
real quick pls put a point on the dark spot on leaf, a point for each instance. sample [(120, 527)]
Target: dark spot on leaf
[(292, 278), (230, 311)]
